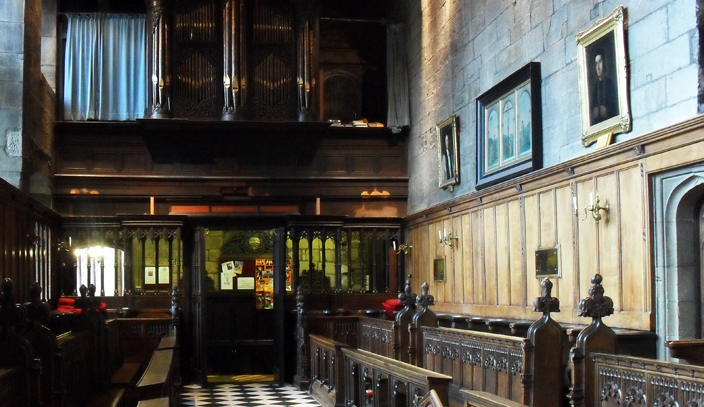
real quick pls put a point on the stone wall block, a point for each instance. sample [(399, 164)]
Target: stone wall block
[(657, 63), (680, 85), (648, 34)]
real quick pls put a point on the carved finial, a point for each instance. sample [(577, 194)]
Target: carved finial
[(7, 296), (37, 311), (83, 290), (597, 305), (425, 299), (407, 298), (299, 299), (91, 290), (35, 291), (545, 303)]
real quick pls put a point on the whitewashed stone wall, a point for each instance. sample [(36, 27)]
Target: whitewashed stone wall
[(458, 49)]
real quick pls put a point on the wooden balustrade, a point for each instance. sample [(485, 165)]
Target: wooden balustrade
[(327, 371), (373, 380)]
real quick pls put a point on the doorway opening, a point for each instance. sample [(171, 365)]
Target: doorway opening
[(239, 274)]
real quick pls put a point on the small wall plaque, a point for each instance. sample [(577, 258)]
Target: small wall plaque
[(547, 263)]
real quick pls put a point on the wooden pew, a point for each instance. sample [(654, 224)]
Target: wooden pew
[(525, 370), (380, 381), (327, 371), (597, 337), (45, 348), (157, 380), (423, 317), (20, 370)]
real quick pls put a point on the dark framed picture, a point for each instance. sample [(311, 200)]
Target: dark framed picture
[(603, 78), (448, 155), (509, 127), (439, 269)]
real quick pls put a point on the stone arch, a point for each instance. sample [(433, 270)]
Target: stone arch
[(676, 203)]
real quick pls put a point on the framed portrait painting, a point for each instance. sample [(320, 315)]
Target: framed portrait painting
[(509, 127), (603, 78), (448, 155)]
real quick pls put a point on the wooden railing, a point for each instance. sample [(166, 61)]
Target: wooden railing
[(373, 380), (327, 371), (377, 336)]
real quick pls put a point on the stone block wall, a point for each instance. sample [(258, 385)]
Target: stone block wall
[(458, 50), (11, 77)]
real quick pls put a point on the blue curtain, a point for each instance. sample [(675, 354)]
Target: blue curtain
[(105, 67)]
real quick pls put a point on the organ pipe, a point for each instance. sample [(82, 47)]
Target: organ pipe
[(160, 61), (234, 59)]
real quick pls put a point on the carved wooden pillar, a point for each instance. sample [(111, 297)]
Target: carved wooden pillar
[(307, 63), (159, 62), (234, 59)]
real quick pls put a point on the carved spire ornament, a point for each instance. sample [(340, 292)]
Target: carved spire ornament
[(545, 303), (597, 305), (425, 299), (407, 298)]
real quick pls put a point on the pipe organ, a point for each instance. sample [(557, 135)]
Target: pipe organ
[(237, 59)]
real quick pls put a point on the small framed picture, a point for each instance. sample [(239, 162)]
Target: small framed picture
[(448, 155), (603, 78), (439, 269), (509, 128)]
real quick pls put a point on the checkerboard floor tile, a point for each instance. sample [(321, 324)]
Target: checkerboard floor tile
[(250, 395)]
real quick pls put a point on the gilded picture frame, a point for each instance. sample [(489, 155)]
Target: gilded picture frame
[(509, 127), (448, 153), (603, 78)]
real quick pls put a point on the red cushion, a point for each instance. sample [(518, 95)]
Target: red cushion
[(66, 301), (392, 306)]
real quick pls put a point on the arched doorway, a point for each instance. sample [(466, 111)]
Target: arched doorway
[(678, 220)]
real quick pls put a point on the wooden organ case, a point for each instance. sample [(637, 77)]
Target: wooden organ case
[(235, 59)]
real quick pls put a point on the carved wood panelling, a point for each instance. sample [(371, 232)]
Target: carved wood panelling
[(491, 266), (629, 381)]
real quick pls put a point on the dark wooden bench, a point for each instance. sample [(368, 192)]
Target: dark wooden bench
[(157, 380), (160, 402), (484, 399)]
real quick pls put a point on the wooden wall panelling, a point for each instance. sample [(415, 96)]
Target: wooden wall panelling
[(608, 242), (564, 286), (548, 233), (477, 270), (586, 240), (630, 199), (465, 283), (516, 253), (490, 253), (503, 256), (455, 283), (532, 242)]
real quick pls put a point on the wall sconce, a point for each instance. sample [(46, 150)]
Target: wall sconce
[(445, 238), (594, 208), (398, 248)]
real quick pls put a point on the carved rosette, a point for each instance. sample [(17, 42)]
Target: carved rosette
[(610, 391), (634, 397), (597, 305)]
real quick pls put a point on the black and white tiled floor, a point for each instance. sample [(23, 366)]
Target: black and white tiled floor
[(251, 395)]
